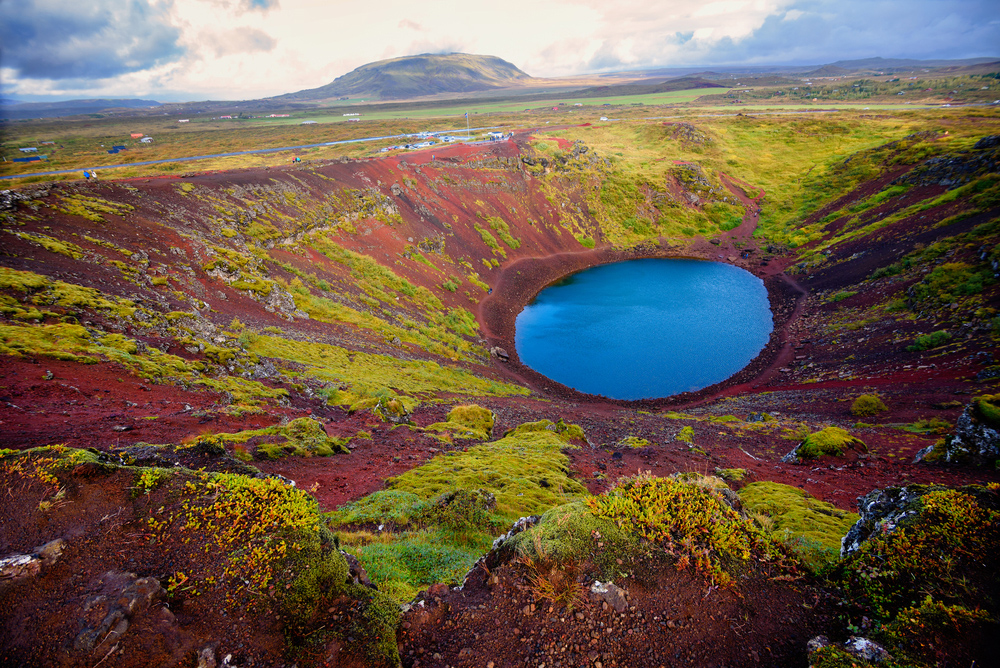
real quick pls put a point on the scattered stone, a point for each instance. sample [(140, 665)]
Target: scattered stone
[(866, 650), (20, 566), (817, 643), (500, 353), (609, 593), (107, 615), (206, 657)]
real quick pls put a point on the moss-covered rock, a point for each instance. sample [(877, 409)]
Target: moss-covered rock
[(976, 440), (923, 540), (830, 441)]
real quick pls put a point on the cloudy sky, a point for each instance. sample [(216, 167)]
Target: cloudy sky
[(171, 50)]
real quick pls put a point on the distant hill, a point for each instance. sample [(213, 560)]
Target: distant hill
[(904, 63), (417, 76), (681, 83), (23, 110)]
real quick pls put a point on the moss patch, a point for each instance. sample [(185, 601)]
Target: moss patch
[(829, 441), (812, 528)]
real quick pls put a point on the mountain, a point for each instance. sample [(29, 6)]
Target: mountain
[(417, 76), (904, 63), (23, 110)]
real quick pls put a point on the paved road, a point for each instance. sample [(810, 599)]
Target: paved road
[(234, 153)]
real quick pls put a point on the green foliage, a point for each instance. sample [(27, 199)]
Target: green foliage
[(810, 527), (368, 375), (867, 405), (571, 533), (950, 281), (686, 434), (920, 630), (411, 561), (503, 231), (489, 240), (566, 432), (946, 550), (829, 441), (732, 475), (689, 521), (928, 341), (841, 296)]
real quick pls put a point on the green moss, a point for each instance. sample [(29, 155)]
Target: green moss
[(468, 421), (367, 374), (53, 245), (503, 231), (987, 408), (633, 442), (829, 441), (733, 475), (525, 470), (867, 405), (572, 533), (812, 528), (91, 208), (489, 240), (303, 437), (566, 432), (686, 434), (387, 506)]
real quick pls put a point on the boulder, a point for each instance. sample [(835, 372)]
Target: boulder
[(976, 439), (882, 510)]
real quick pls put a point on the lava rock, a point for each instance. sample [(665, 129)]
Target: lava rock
[(610, 593)]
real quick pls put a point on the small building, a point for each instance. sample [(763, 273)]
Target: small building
[(30, 149), (226, 117), (146, 140), (136, 135), (308, 123), (184, 120)]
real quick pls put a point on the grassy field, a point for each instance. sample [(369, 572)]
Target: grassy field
[(82, 142)]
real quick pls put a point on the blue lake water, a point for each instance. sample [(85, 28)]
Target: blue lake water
[(645, 328)]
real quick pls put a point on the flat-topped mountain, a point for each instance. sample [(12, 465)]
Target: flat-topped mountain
[(415, 76)]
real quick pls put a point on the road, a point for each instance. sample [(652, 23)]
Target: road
[(235, 153)]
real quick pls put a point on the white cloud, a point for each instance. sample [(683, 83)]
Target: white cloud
[(239, 49)]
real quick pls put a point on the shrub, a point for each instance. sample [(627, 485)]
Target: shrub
[(691, 522), (928, 341), (945, 547), (867, 405)]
